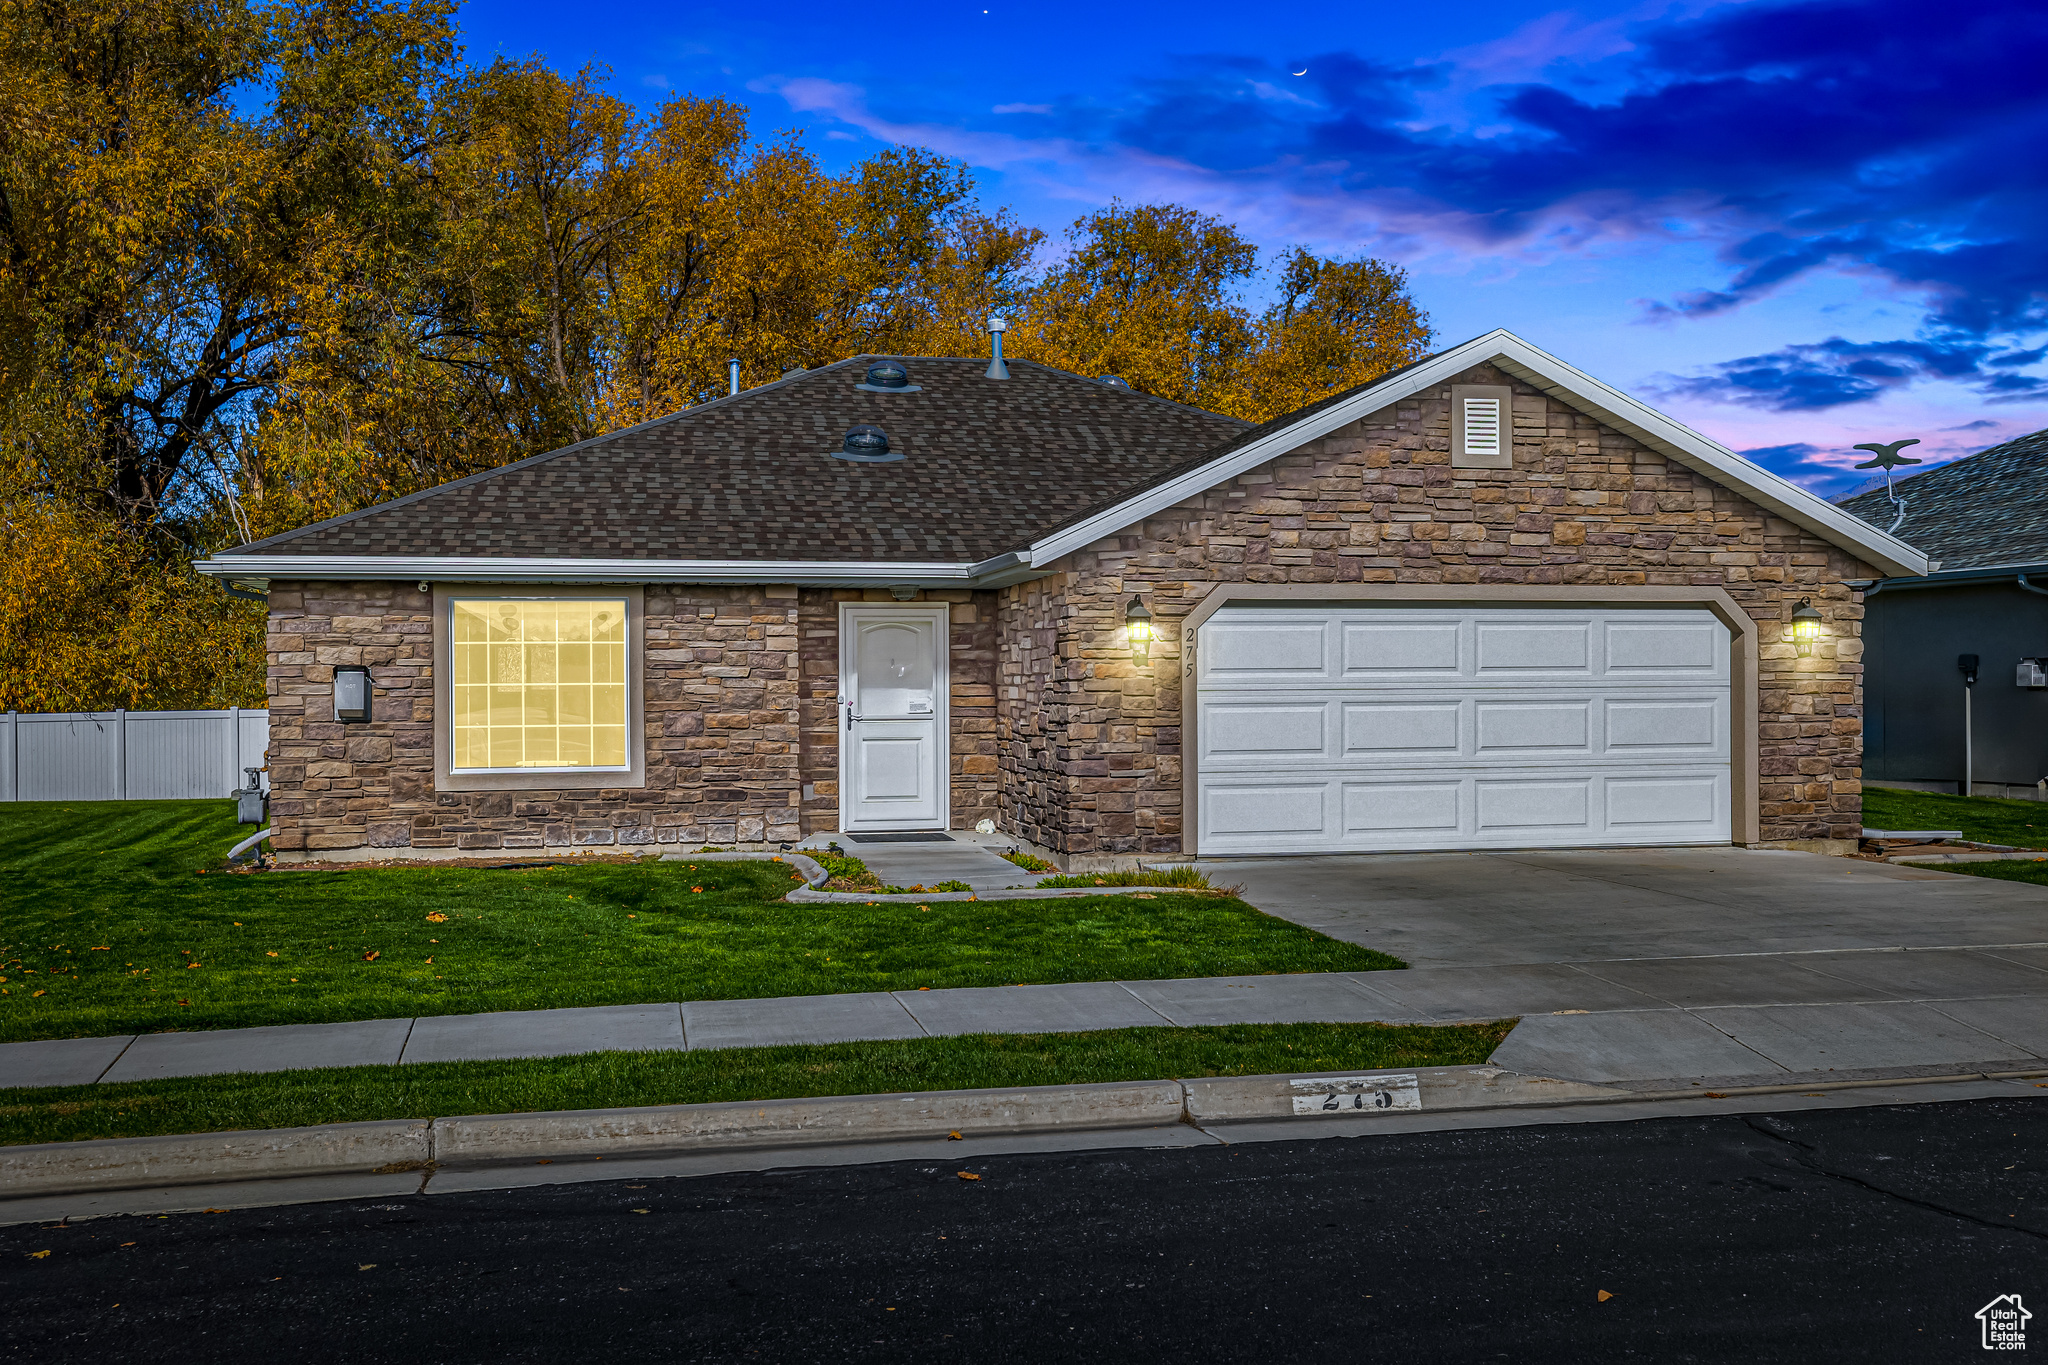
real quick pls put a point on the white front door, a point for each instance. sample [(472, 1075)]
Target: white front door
[(892, 709)]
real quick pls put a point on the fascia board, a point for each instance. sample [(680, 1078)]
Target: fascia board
[(1008, 568), (1553, 376)]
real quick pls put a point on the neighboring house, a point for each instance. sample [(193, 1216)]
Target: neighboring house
[(1483, 602), (1984, 520)]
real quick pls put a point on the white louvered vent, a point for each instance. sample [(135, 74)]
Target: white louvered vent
[(1482, 426)]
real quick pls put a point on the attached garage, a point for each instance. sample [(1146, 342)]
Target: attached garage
[(1362, 727)]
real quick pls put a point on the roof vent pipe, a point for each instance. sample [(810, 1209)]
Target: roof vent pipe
[(732, 373), (996, 368)]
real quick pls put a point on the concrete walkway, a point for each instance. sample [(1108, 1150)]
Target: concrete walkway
[(1852, 1014)]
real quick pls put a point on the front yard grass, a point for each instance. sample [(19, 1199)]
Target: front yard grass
[(295, 1099), (116, 917), (1986, 819)]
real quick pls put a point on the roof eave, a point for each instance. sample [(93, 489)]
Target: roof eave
[(999, 571)]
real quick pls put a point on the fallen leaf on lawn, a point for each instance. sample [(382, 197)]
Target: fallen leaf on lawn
[(372, 957), (437, 918), (38, 993), (968, 1175), (189, 966), (127, 1244), (640, 1210), (236, 923), (270, 954), (182, 1002), (371, 1266), (37, 1255), (430, 959), (103, 948), (695, 889), (955, 1136), (924, 907)]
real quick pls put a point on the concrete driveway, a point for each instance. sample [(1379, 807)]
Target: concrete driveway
[(1469, 909), (1701, 965)]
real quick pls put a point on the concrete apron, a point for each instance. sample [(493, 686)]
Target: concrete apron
[(415, 1156)]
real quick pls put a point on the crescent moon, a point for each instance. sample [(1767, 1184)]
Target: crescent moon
[(1302, 72)]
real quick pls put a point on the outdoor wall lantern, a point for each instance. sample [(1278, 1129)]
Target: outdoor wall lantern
[(1805, 626), (1138, 622)]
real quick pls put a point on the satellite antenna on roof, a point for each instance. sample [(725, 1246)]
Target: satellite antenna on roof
[(1885, 457)]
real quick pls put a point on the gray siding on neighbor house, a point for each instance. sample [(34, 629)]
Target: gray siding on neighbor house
[(1913, 691)]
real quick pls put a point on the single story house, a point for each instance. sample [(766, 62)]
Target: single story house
[(1483, 602), (1931, 724)]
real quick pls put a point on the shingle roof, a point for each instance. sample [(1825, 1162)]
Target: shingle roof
[(1988, 508), (990, 466)]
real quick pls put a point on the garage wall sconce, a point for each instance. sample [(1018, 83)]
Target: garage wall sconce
[(1805, 626), (1138, 622)]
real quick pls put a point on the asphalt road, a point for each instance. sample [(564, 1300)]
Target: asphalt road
[(1866, 1234)]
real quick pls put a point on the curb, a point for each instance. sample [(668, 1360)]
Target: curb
[(1922, 859), (391, 1146), (394, 1146)]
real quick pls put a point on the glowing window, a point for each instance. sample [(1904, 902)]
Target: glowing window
[(539, 684)]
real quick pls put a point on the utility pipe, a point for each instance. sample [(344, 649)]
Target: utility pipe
[(239, 849)]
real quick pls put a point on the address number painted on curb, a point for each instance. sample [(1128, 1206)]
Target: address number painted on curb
[(1363, 1094)]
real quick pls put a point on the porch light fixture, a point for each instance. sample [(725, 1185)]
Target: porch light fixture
[(1805, 626), (1138, 622)]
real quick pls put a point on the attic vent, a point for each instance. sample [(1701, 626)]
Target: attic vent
[(1115, 381), (1482, 426), (866, 444), (1479, 426), (886, 376)]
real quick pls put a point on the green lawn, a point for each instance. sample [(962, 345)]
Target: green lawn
[(117, 917), (2023, 824), (293, 1099)]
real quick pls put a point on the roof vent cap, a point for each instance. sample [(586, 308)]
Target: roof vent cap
[(887, 376), (1114, 381), (866, 444)]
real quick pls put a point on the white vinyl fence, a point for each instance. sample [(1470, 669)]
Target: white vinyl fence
[(130, 755)]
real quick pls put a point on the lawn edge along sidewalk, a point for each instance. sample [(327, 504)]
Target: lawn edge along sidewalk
[(816, 876), (390, 1146)]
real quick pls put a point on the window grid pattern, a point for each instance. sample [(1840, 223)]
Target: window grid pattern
[(539, 683)]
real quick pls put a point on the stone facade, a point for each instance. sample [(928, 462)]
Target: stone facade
[(1091, 742), (1056, 733), (740, 724)]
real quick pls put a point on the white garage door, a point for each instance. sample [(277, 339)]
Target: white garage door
[(1357, 729)]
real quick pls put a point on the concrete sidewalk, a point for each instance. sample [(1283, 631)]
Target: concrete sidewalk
[(1629, 1022)]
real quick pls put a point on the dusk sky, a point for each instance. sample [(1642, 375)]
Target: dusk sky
[(1792, 226)]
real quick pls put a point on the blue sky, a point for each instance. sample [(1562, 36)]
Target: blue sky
[(1795, 226)]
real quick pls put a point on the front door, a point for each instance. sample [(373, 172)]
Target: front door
[(892, 706)]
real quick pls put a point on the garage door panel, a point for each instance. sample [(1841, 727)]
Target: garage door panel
[(1505, 647), (1376, 808), (1519, 727), (1557, 804), (1691, 725), (1283, 651), (1668, 649), (1679, 801), (1254, 814), (1281, 730), (1424, 649), (1402, 732)]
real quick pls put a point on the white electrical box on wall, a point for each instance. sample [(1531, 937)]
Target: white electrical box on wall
[(2032, 674)]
